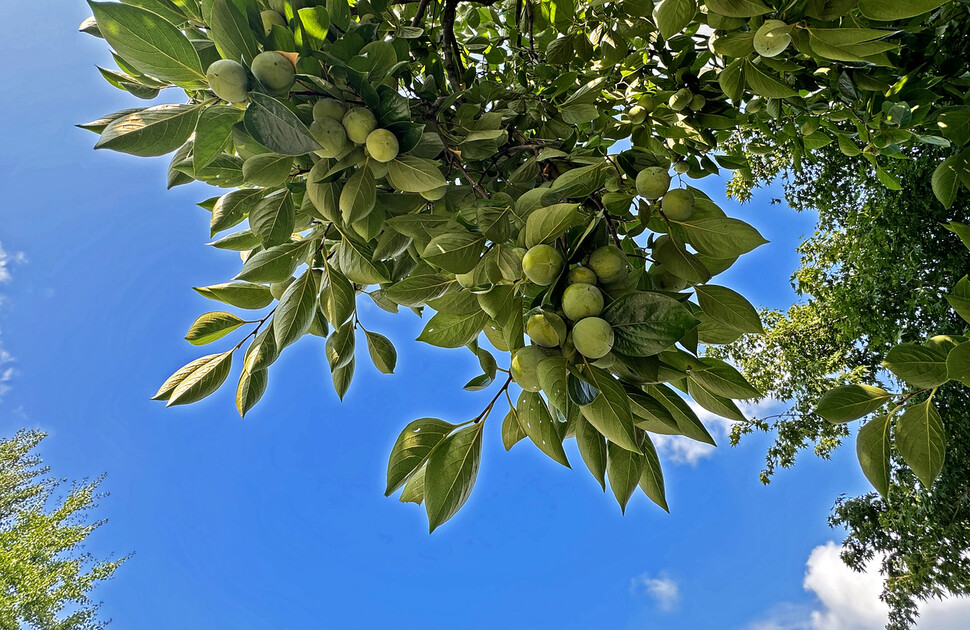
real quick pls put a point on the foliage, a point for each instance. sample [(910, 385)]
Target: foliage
[(511, 120), (877, 271), (45, 578)]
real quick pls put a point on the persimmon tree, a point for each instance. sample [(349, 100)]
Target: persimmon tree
[(503, 168)]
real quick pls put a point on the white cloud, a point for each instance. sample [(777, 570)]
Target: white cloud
[(7, 261), (850, 601), (661, 589), (6, 370), (681, 450)]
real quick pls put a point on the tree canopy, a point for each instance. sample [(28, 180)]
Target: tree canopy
[(506, 164), (45, 576)]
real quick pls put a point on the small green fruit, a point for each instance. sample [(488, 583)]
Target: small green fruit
[(382, 145), (637, 114), (525, 367), (609, 264), (274, 71), (542, 264), (680, 100), (697, 103), (228, 80), (331, 136), (359, 122), (653, 182), (545, 331), (329, 108), (582, 300), (580, 275), (648, 102), (772, 38), (754, 106), (666, 281), (271, 18), (678, 204), (435, 193), (593, 337), (277, 288), (681, 167)]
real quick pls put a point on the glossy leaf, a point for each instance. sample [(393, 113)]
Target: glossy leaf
[(451, 474)]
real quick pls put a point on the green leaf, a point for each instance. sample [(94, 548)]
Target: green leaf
[(961, 230), (954, 124), (673, 16), (296, 309), (921, 440), (920, 366), (958, 363), (851, 402), (267, 169), (873, 448), (610, 411), (164, 8), (959, 298), (358, 196), (213, 133), (452, 469), (412, 449), (540, 426), (592, 448), (414, 489), (731, 80), (262, 352), (252, 386), (512, 432), (417, 291), (721, 237), (239, 294), (149, 43), (547, 224), (623, 468), (687, 421), (738, 8), (413, 174), (273, 125), (275, 264), (765, 85), (232, 208), (683, 264), (946, 180), (342, 377), (453, 331), (99, 125), (212, 326), (338, 300), (151, 132), (230, 32), (382, 352), (645, 324), (652, 476), (889, 10), (207, 375), (274, 218), (356, 262), (729, 308), (722, 379), (718, 405), (553, 379), (457, 252), (315, 22)]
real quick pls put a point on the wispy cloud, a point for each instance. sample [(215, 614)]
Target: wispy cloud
[(7, 372), (848, 600), (661, 589), (681, 450)]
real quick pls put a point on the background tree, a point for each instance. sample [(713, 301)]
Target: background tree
[(45, 577)]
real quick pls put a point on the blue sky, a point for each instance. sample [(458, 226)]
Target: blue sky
[(279, 520)]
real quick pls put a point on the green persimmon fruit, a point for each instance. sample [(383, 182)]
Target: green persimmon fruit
[(582, 300), (653, 182), (678, 204), (329, 108), (277, 288), (609, 264), (542, 264), (270, 19), (581, 275), (593, 337), (680, 100), (382, 145), (772, 38), (637, 114), (681, 167), (359, 122), (666, 281), (542, 330), (697, 103), (435, 193), (525, 367), (753, 106), (274, 71), (228, 80), (648, 102), (330, 135)]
